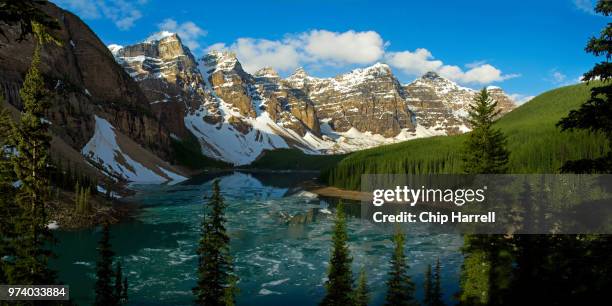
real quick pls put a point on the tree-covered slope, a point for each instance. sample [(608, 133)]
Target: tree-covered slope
[(535, 143), (294, 159)]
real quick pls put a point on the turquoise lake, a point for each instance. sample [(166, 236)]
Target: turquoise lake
[(280, 241)]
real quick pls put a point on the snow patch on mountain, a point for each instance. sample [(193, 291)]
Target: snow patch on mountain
[(352, 140), (114, 49), (104, 151), (159, 36), (223, 61), (223, 141)]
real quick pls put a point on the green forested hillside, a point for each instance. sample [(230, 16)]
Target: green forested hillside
[(535, 143), (294, 159)]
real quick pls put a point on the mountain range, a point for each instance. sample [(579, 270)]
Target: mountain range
[(236, 115), (119, 108)]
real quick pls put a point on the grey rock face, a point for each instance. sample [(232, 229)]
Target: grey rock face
[(442, 105), (369, 100)]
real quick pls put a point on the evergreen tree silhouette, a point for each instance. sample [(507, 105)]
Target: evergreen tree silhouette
[(339, 284)]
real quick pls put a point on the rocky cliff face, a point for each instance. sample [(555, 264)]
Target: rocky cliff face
[(167, 74), (234, 114), (442, 105), (369, 100), (285, 103), (86, 81), (251, 95)]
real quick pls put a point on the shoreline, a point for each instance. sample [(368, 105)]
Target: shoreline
[(63, 216), (335, 192), (62, 211)]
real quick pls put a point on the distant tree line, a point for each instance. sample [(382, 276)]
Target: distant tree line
[(66, 176)]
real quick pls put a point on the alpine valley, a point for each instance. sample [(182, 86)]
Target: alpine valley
[(122, 107)]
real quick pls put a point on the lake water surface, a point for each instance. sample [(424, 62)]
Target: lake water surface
[(281, 259)]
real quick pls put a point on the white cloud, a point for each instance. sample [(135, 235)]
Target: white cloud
[(322, 48), (414, 63), (585, 6), (421, 61), (189, 32), (557, 77), (255, 54), (483, 74), (122, 13), (349, 47), (317, 47), (520, 98), (216, 47)]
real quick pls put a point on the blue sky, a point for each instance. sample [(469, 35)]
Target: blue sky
[(523, 46)]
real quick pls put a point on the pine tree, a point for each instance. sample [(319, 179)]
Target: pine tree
[(484, 153), (105, 295), (428, 287), (362, 292), (529, 254), (82, 194), (8, 209), (31, 141), (216, 280), (595, 114), (339, 284), (486, 271), (400, 288), (485, 148), (118, 283), (475, 271), (436, 293), (433, 286)]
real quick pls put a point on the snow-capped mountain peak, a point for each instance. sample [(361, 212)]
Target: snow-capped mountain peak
[(439, 83), (267, 72), (360, 75), (443, 104), (221, 60), (114, 49), (378, 69), (431, 75), (161, 35), (299, 75)]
